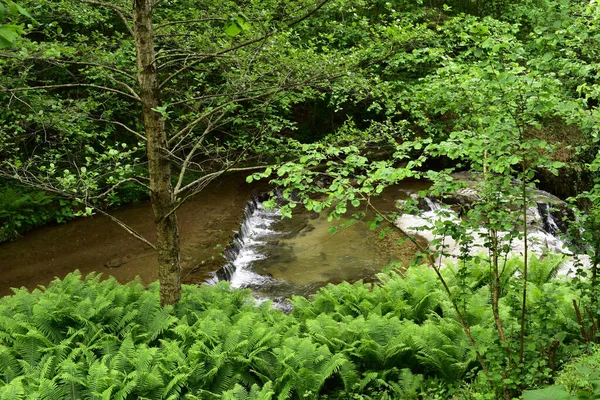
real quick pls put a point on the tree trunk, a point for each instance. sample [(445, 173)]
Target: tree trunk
[(161, 193)]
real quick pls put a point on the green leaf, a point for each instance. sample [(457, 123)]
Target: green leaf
[(232, 28), (8, 36), (23, 11), (551, 392), (547, 57), (237, 25)]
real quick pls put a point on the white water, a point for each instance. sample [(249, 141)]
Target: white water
[(539, 241), (321, 262), (256, 231)]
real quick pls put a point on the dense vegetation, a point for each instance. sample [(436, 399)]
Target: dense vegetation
[(86, 338), (334, 100)]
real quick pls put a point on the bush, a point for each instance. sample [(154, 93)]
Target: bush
[(98, 339), (22, 209)]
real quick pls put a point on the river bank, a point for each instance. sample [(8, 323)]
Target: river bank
[(97, 244)]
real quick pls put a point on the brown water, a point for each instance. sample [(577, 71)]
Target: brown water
[(97, 244), (300, 255), (307, 258), (302, 262)]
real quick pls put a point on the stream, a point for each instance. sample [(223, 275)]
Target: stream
[(276, 258), (96, 244)]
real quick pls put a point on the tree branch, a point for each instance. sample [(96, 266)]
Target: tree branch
[(129, 229), (191, 153), (116, 185), (203, 181), (57, 61), (189, 21), (72, 85), (122, 125), (244, 44), (34, 182), (156, 4), (108, 67), (195, 122)]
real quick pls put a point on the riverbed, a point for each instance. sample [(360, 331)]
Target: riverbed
[(96, 244)]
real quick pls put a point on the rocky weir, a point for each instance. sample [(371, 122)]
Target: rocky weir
[(279, 258)]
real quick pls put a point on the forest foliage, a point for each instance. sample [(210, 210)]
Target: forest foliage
[(440, 78), (359, 94), (97, 339)]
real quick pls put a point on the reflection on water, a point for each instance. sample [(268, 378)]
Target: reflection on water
[(278, 258), (304, 255)]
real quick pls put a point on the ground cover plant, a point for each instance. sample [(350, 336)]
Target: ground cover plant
[(97, 339)]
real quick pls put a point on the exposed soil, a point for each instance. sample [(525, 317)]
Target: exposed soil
[(97, 244)]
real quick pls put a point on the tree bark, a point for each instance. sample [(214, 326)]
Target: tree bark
[(161, 191)]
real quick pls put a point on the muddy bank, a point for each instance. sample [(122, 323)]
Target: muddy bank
[(98, 245)]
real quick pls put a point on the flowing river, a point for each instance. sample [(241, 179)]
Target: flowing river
[(97, 244), (221, 231)]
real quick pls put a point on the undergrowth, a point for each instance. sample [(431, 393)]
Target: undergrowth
[(87, 338), (22, 209)]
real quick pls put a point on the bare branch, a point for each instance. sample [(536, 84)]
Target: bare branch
[(116, 185), (122, 125), (34, 182), (126, 86), (189, 21), (129, 229), (108, 67), (180, 70), (71, 85), (156, 4), (203, 181), (191, 153), (191, 125), (58, 61)]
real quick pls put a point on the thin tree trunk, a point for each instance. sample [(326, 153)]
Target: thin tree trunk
[(496, 288), (161, 192), (525, 265), (462, 320)]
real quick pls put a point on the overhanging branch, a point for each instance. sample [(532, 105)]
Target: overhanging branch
[(33, 182), (72, 85), (201, 183), (244, 44)]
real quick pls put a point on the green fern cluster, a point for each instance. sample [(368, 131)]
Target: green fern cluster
[(96, 339), (92, 339)]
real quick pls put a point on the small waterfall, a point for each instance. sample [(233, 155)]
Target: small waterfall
[(544, 231), (430, 205), (549, 225), (244, 247)]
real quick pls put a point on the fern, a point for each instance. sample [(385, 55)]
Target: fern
[(92, 339)]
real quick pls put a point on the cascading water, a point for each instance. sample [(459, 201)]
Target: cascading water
[(278, 258), (431, 205), (549, 224), (544, 232), (244, 248)]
